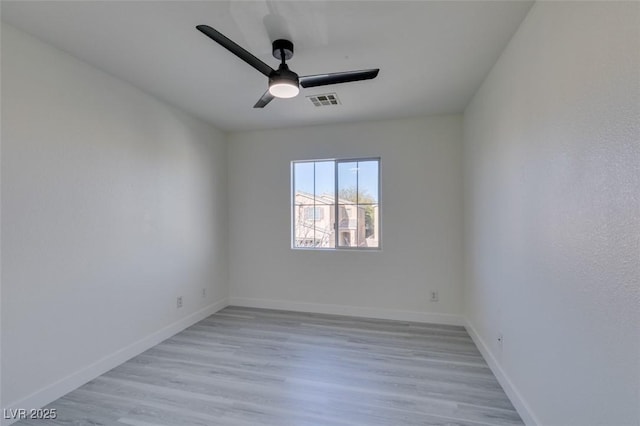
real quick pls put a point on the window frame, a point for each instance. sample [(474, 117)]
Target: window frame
[(336, 206)]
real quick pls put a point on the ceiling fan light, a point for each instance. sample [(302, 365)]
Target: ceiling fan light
[(284, 89), (284, 83)]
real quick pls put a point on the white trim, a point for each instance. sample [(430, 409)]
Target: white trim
[(354, 311), (73, 381), (516, 398)]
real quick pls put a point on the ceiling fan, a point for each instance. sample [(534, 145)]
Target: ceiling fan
[(284, 83)]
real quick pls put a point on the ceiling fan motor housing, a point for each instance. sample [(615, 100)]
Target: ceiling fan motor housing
[(281, 46)]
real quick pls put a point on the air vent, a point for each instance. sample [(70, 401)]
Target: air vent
[(328, 99)]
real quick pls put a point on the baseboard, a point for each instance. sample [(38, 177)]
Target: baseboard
[(63, 386), (520, 404), (355, 311)]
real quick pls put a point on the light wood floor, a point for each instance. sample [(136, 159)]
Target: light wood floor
[(254, 367)]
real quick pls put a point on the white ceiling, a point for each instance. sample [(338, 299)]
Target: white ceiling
[(432, 55)]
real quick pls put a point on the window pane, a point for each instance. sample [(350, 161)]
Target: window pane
[(368, 182), (303, 179), (371, 226), (323, 224), (348, 182), (303, 227), (347, 225), (325, 178)]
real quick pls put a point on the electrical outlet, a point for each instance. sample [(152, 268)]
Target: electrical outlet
[(434, 296), (179, 302), (204, 293)]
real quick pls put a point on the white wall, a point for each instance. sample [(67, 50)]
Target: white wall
[(113, 204), (421, 193), (552, 214)]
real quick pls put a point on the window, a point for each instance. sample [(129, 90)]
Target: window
[(336, 204), (313, 213)]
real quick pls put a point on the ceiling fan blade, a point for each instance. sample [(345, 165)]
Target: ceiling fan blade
[(338, 77), (264, 100), (234, 48)]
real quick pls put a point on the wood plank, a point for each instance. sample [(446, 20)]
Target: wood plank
[(248, 366)]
